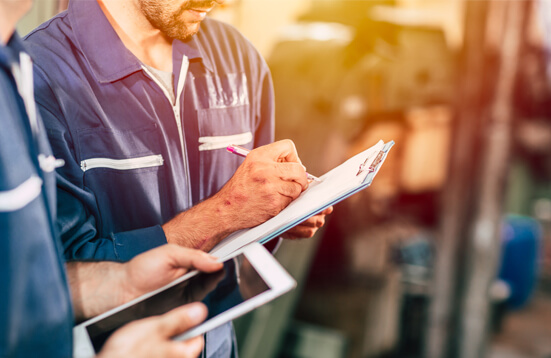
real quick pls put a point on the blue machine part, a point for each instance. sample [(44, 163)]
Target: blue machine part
[(521, 252)]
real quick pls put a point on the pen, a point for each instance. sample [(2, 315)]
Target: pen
[(242, 152)]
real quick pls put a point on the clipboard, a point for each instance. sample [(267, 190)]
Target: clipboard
[(355, 174)]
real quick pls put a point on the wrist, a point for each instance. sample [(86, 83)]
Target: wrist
[(224, 214), (200, 227), (96, 287), (122, 278)]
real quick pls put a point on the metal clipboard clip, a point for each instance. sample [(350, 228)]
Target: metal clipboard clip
[(374, 164)]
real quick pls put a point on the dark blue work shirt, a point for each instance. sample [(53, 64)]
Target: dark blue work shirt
[(36, 318), (134, 159)]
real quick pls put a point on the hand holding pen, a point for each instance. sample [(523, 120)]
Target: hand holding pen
[(268, 180), (242, 152), (305, 229)]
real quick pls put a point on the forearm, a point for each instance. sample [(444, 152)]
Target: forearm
[(201, 227), (264, 184), (95, 287)]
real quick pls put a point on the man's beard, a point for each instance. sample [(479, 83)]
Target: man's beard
[(170, 23)]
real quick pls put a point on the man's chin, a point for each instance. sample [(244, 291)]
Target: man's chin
[(190, 31)]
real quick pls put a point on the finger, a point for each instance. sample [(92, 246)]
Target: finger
[(189, 348), (300, 232), (292, 172), (282, 150), (308, 223), (181, 319), (291, 154), (327, 211), (315, 221), (191, 258), (319, 220), (289, 189)]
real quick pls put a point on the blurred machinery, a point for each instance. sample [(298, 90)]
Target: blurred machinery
[(341, 86)]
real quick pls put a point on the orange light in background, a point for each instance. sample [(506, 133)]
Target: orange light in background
[(426, 148)]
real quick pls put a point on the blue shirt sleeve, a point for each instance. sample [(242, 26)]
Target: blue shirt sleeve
[(80, 237), (35, 303), (77, 212)]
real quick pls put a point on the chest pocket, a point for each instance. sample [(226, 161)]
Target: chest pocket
[(224, 118), (125, 171)]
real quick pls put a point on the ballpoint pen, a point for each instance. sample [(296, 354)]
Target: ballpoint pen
[(242, 152)]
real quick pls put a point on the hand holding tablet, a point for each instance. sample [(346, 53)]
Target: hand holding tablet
[(259, 276)]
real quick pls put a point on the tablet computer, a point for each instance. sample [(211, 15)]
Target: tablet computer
[(254, 279)]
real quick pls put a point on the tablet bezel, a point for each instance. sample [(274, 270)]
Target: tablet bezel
[(273, 274)]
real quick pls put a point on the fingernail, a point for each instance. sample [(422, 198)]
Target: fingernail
[(209, 257), (196, 311)]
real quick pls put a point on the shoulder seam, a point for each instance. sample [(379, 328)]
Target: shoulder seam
[(45, 24)]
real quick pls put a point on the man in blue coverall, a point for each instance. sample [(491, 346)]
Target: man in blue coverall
[(40, 295), (141, 98)]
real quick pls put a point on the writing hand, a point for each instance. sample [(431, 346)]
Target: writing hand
[(266, 182)]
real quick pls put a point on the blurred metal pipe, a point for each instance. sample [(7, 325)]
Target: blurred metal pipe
[(458, 194), (485, 246), (472, 202)]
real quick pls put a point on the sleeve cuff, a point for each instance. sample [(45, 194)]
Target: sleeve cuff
[(132, 243)]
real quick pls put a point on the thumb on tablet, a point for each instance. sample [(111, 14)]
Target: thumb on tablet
[(182, 318), (152, 337)]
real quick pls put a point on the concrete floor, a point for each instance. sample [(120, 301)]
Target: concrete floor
[(525, 333)]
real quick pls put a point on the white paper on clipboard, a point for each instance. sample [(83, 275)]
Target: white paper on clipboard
[(335, 186)]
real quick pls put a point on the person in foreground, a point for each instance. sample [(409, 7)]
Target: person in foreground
[(41, 296), (141, 98), (141, 102)]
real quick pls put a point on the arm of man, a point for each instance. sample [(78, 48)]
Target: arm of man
[(264, 184), (99, 286)]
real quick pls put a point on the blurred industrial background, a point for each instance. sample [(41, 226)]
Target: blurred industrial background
[(448, 253)]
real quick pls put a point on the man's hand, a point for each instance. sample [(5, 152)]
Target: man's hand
[(308, 228), (151, 337), (268, 180), (264, 184), (158, 267), (99, 286)]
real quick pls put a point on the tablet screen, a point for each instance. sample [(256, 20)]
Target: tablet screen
[(219, 290)]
